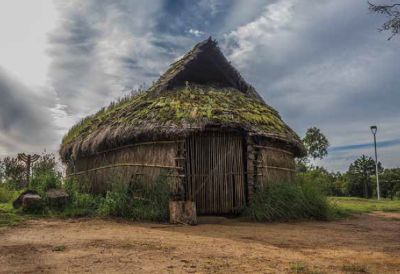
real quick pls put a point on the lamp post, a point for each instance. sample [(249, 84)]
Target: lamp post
[(374, 129)]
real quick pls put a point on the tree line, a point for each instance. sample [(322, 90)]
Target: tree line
[(359, 180)]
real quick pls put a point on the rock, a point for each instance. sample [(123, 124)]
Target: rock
[(57, 197), (182, 212), (18, 202), (32, 202)]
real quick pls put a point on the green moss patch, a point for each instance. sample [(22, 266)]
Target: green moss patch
[(182, 108)]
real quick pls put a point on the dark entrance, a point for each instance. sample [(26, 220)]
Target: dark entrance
[(215, 172)]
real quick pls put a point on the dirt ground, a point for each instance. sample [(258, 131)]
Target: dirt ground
[(369, 243)]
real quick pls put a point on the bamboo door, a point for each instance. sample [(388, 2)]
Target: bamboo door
[(215, 172)]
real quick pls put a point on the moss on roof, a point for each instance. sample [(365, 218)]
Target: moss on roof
[(187, 108)]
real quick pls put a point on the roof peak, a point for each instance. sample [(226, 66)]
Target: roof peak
[(203, 64)]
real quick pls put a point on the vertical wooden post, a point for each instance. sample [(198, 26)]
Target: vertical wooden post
[(251, 172), (180, 161), (28, 160), (28, 169)]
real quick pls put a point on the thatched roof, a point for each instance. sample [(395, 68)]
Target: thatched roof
[(199, 91)]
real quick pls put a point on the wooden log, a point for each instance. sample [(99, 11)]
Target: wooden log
[(182, 212)]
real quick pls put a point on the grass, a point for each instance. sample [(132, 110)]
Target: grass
[(300, 267), (346, 206), (9, 216), (354, 268), (287, 202), (58, 248)]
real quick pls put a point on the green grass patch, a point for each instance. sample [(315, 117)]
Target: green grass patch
[(137, 201), (9, 216), (285, 202), (350, 205)]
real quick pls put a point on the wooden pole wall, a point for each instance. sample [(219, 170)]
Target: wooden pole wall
[(215, 172)]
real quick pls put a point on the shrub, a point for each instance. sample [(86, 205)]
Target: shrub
[(137, 201), (45, 180), (44, 174), (284, 201), (12, 172), (80, 204), (6, 195)]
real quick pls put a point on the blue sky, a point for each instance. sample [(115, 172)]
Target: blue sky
[(319, 64)]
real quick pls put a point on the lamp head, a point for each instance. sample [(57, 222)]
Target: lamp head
[(374, 129)]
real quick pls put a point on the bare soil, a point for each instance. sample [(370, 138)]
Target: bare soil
[(369, 243)]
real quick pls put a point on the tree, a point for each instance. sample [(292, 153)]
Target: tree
[(316, 145), (12, 171), (389, 182), (45, 174), (392, 13), (359, 175)]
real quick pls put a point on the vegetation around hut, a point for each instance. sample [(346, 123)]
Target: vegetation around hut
[(276, 202), (284, 202)]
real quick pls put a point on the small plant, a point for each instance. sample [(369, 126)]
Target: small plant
[(298, 267), (58, 248), (355, 268)]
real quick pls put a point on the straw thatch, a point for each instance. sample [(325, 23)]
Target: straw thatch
[(200, 91)]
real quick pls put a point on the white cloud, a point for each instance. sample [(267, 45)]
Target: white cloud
[(196, 32), (323, 64)]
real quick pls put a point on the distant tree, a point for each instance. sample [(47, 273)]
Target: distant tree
[(392, 13), (12, 171), (339, 186), (316, 145), (359, 176), (46, 163), (2, 170), (45, 174), (389, 182)]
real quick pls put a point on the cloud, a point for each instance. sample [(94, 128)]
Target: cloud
[(102, 49), (26, 122), (196, 32), (323, 64), (320, 63)]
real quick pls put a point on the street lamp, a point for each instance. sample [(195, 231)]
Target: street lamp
[(374, 129)]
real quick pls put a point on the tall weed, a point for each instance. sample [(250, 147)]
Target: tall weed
[(137, 201), (284, 201)]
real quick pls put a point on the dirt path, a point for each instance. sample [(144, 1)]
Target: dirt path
[(367, 244)]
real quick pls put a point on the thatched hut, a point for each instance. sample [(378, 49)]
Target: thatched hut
[(200, 124)]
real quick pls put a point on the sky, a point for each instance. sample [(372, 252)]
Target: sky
[(319, 63)]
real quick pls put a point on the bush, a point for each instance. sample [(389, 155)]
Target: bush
[(283, 201), (44, 174), (6, 195), (80, 204), (45, 180), (137, 201)]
